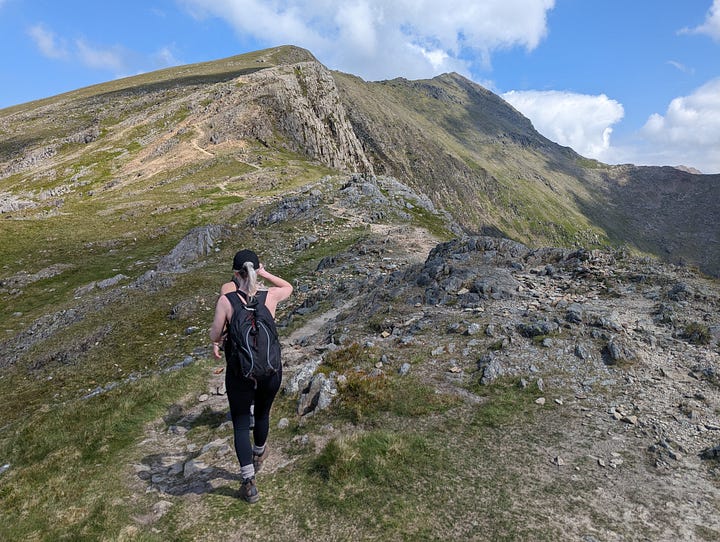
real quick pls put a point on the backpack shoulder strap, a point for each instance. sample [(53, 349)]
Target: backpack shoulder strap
[(233, 298)]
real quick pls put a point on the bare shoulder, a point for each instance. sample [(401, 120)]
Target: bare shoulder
[(227, 288)]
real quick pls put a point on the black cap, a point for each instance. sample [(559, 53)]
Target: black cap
[(245, 256)]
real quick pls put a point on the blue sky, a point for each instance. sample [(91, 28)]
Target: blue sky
[(621, 81)]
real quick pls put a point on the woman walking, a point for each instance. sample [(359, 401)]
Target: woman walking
[(242, 391)]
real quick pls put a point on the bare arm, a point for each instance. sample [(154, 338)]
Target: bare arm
[(223, 313), (279, 291)]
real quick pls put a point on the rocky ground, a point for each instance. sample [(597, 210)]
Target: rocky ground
[(623, 350)]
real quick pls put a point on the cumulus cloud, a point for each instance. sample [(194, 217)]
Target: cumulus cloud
[(580, 121), (48, 43), (711, 26), (377, 39), (689, 131)]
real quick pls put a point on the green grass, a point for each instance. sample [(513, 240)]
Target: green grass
[(69, 461)]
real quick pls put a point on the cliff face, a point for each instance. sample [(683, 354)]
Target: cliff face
[(296, 106)]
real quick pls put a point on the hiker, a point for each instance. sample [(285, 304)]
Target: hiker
[(227, 288), (242, 390)]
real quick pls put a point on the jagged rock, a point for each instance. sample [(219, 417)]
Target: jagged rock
[(680, 292), (582, 352), (318, 395), (100, 284), (538, 328), (606, 321), (618, 351), (711, 453), (302, 377), (196, 245), (491, 369), (495, 283), (574, 314), (305, 241)]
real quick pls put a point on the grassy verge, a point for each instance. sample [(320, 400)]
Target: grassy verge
[(67, 479)]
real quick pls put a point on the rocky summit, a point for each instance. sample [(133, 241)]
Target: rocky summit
[(490, 337)]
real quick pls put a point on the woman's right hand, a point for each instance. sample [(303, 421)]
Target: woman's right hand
[(216, 351)]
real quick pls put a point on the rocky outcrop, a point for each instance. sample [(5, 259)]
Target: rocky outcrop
[(200, 242), (298, 102)]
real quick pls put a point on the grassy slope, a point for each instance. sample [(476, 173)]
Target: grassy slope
[(474, 154)]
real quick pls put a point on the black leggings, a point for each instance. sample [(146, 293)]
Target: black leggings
[(241, 392)]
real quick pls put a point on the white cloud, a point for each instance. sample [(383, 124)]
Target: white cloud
[(711, 26), (689, 131), (98, 58), (681, 67), (580, 121), (377, 39), (48, 43), (164, 57), (116, 59)]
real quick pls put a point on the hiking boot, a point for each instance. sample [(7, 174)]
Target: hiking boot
[(249, 491), (258, 459)]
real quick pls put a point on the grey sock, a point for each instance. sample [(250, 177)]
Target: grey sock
[(247, 471), (258, 450)]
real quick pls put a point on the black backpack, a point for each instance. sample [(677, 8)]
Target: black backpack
[(252, 348)]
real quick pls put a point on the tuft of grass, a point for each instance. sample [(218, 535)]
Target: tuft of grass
[(697, 333), (367, 456), (506, 403), (366, 395)]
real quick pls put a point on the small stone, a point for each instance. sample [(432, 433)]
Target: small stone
[(161, 508), (284, 423), (204, 397), (385, 334), (601, 462), (540, 401), (632, 420), (559, 461), (559, 401)]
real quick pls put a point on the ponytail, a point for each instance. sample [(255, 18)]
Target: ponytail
[(246, 279)]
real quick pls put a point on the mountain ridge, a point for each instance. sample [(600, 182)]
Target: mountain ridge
[(449, 371)]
